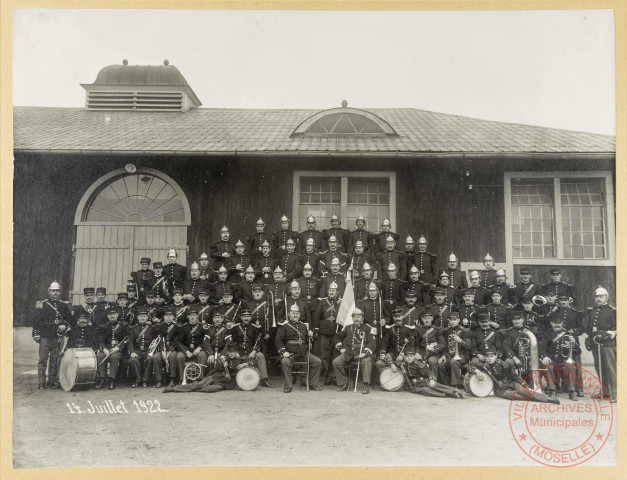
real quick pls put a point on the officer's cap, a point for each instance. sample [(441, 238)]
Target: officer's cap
[(410, 294), (203, 291), (496, 292), (426, 314), (113, 309), (130, 287), (257, 287), (245, 312), (468, 291), (145, 260), (483, 317), (397, 311), (143, 311), (169, 310), (177, 290), (227, 290), (122, 295), (101, 290), (516, 315), (440, 291), (490, 351), (525, 271), (89, 291), (151, 293), (555, 271), (231, 347), (563, 297), (159, 264)]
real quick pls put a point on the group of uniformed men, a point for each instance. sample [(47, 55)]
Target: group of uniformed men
[(278, 293)]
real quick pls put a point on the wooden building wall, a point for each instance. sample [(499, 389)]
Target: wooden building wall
[(433, 199)]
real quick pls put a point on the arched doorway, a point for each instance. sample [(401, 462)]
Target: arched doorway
[(122, 217)]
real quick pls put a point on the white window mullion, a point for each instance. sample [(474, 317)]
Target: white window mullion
[(344, 201), (559, 233)]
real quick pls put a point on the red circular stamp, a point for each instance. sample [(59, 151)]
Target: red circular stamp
[(563, 435)]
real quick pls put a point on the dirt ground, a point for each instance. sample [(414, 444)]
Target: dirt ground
[(262, 427)]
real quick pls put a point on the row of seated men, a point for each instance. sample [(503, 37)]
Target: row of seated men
[(436, 329)]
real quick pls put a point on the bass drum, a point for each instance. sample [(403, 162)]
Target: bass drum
[(248, 378), (78, 367), (478, 386), (391, 381)]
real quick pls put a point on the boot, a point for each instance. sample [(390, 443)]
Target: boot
[(366, 389), (99, 384), (573, 396), (111, 384), (266, 383), (342, 388)]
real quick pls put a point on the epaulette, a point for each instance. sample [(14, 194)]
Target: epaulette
[(39, 304)]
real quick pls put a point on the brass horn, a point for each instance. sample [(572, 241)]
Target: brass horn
[(567, 345), (192, 372), (539, 300)]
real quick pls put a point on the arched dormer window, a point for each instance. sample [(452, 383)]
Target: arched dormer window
[(344, 121)]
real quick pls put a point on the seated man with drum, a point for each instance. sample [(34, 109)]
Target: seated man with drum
[(507, 382), (221, 377), (421, 379), (217, 333), (292, 342), (143, 346), (396, 339), (248, 339), (191, 344), (354, 341), (112, 343), (82, 341), (457, 352), (485, 338)]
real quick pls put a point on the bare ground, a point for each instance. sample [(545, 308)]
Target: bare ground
[(263, 427)]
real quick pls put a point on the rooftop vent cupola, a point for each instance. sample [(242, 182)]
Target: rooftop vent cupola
[(145, 88)]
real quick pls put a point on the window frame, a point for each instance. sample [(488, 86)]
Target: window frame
[(344, 176), (608, 211)]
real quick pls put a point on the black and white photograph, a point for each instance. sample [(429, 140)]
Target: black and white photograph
[(314, 238)]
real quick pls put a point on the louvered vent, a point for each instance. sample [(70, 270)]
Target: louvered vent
[(139, 101)]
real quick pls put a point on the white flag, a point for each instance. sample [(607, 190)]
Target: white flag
[(345, 315)]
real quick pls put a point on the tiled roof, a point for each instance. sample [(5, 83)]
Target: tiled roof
[(214, 131)]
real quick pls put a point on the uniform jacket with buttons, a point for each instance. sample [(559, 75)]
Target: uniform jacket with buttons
[(350, 338), (49, 314), (324, 320)]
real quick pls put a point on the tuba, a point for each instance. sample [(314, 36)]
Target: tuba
[(533, 362), (524, 352), (539, 300)]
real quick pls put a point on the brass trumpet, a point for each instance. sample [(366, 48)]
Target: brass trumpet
[(153, 346)]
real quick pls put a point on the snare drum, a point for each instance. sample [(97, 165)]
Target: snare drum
[(479, 387), (78, 367), (248, 378), (391, 381)]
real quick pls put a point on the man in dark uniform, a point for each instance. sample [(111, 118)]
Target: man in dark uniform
[(325, 327), (410, 254), (481, 293), (141, 336), (354, 341), (422, 381), (180, 308), (221, 285), (439, 309), (379, 241), (81, 335), (507, 291), (360, 234), (457, 277), (340, 234), (206, 272), (396, 338), (311, 257), (360, 288), (258, 239), (334, 276), (507, 381), (312, 233), (484, 339), (217, 333), (451, 294), (221, 250), (391, 256), (331, 254), (309, 288), (558, 287), (143, 278), (415, 286), (175, 273), (191, 343), (291, 262), (500, 315), (87, 307), (245, 288), (282, 236), (168, 331), (112, 342), (100, 307), (239, 263), (227, 308), (572, 322), (426, 263), (265, 264), (374, 315), (294, 298), (429, 341), (260, 312), (205, 309), (560, 345), (468, 311), (517, 346), (411, 310), (456, 354), (127, 316), (194, 284), (531, 318), (487, 276), (601, 341), (159, 283), (524, 288), (248, 339), (292, 340), (391, 290), (357, 261)]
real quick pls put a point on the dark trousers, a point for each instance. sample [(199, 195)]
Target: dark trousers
[(605, 365), (342, 359), (450, 371), (114, 360), (507, 391), (438, 390), (327, 346), (210, 384), (566, 373), (178, 360), (48, 353), (314, 369), (149, 365)]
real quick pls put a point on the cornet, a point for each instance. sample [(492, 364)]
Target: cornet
[(454, 350), (153, 346)]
